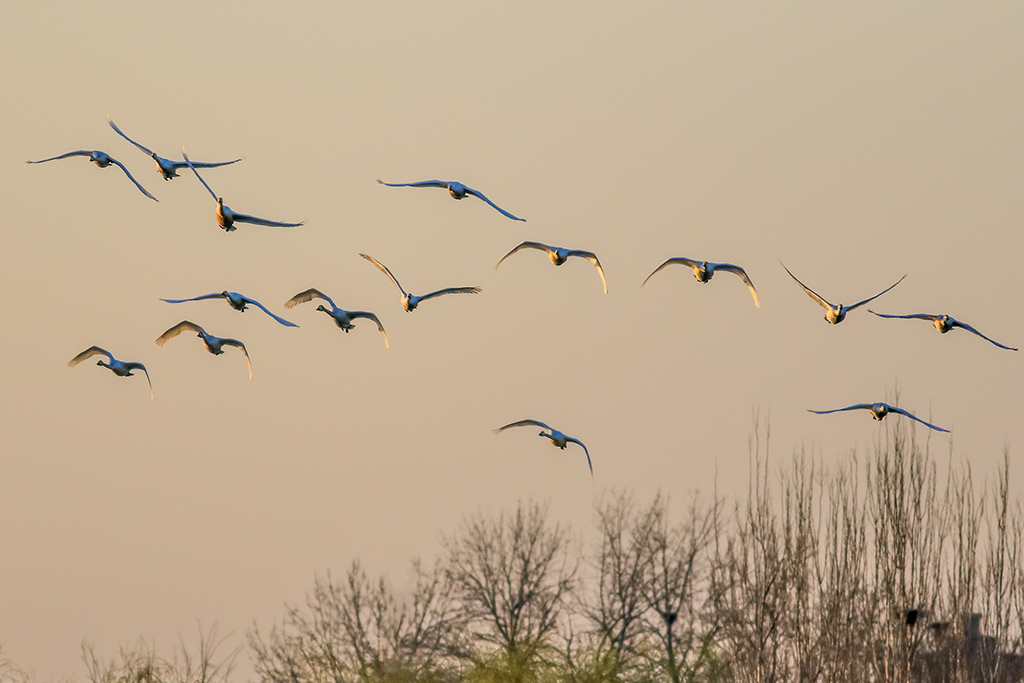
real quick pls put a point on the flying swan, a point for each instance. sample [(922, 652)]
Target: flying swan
[(237, 302), (119, 368), (341, 317), (213, 344), (411, 301), (879, 411), (558, 256), (168, 169), (704, 271), (456, 190), (557, 438), (835, 313)]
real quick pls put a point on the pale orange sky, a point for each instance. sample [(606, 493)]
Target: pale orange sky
[(856, 142)]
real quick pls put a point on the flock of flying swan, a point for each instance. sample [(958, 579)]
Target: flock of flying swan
[(703, 271)]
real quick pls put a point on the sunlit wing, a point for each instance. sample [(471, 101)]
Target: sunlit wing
[(861, 303), (235, 342), (916, 316), (384, 269), (245, 218), (215, 295), (810, 292), (859, 406), (957, 323), (678, 259), (189, 163), (522, 423), (178, 329), (525, 245), (451, 290), (203, 164), (374, 318), (117, 130), (89, 353), (79, 153), (308, 295), (141, 188), (422, 183), (139, 366), (257, 304), (893, 409), (577, 441), (592, 257), (728, 267), (477, 193)]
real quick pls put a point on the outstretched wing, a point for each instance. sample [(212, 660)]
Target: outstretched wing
[(522, 423), (525, 245), (235, 342), (478, 193), (189, 163), (728, 267), (257, 304), (893, 409), (918, 316), (957, 323), (79, 153), (117, 130), (451, 290), (810, 292), (859, 406), (370, 316), (679, 259), (133, 365), (308, 295), (215, 295), (245, 218), (141, 188), (861, 303), (384, 269), (203, 164), (422, 183), (590, 464), (178, 329), (89, 353), (592, 257)]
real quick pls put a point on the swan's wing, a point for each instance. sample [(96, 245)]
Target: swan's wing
[(133, 365), (79, 153), (957, 323), (203, 164), (525, 245), (811, 293), (477, 193), (189, 164), (384, 269), (522, 423), (919, 316), (861, 303), (679, 259), (859, 406), (141, 188), (214, 295), (89, 353), (451, 290), (235, 342), (370, 316), (422, 183), (730, 268), (590, 464), (893, 409), (245, 218), (178, 329), (592, 257), (308, 295), (117, 130), (263, 308)]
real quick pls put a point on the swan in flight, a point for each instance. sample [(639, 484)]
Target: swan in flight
[(558, 256), (879, 411), (557, 438), (411, 301), (213, 344), (119, 368), (237, 302), (341, 317), (456, 190), (835, 313), (704, 271), (227, 218), (944, 323), (101, 159), (168, 169)]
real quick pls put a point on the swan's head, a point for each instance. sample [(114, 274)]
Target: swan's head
[(224, 294), (101, 364), (321, 308)]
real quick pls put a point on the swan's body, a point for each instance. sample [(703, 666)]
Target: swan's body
[(557, 438), (340, 316), (213, 344), (168, 169), (945, 323), (559, 255), (879, 411), (226, 218), (836, 313), (456, 190), (119, 368), (101, 159), (704, 271), (237, 302), (411, 301)]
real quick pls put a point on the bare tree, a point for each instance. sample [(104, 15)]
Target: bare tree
[(143, 664)]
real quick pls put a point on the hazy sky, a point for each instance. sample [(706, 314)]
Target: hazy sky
[(855, 141)]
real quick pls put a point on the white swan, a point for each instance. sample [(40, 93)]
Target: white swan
[(456, 190), (237, 302), (879, 411), (213, 344), (226, 218), (944, 323), (835, 313), (119, 368), (101, 159), (168, 169), (557, 438), (341, 317), (559, 255), (411, 301), (704, 271)]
